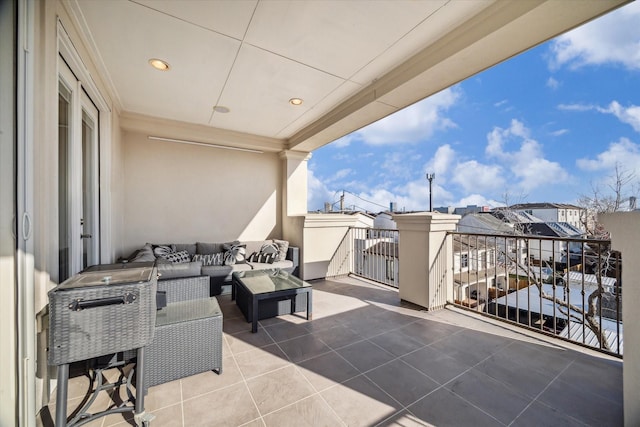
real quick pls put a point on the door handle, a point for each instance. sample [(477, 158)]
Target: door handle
[(86, 236)]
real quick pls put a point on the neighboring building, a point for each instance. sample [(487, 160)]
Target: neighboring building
[(469, 209), (475, 270), (555, 212), (508, 246), (384, 220)]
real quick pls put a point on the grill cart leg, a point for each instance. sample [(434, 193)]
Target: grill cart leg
[(61, 395), (140, 417)]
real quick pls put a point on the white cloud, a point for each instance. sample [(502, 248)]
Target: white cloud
[(611, 39), (317, 192), (415, 123), (342, 173), (576, 107), (623, 152), (477, 200), (441, 162), (474, 176), (396, 165), (501, 103), (629, 115), (527, 162), (559, 132), (553, 83)]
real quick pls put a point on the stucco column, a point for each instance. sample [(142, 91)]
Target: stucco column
[(294, 182), (425, 258), (625, 237)]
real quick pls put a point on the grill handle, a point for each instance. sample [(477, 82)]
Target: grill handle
[(79, 304)]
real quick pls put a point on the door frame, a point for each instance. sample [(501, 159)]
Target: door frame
[(72, 59)]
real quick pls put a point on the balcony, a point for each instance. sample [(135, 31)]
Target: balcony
[(367, 358)]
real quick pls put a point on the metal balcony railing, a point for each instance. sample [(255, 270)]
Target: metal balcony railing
[(371, 253), (567, 288)]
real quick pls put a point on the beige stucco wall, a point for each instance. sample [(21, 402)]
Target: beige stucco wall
[(322, 236), (176, 193), (625, 237)]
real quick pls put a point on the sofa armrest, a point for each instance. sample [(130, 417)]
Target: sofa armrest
[(185, 288), (293, 254)]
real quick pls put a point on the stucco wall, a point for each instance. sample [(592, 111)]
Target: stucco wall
[(186, 193), (625, 235)]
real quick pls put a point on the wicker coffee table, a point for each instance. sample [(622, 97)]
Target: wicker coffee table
[(258, 292)]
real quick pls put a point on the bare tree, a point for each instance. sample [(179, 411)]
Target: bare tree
[(619, 190)]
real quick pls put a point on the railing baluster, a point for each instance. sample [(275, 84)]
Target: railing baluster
[(516, 256)]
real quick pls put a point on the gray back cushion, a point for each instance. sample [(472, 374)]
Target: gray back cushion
[(208, 248)]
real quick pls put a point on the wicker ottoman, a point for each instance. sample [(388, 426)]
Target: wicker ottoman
[(187, 341)]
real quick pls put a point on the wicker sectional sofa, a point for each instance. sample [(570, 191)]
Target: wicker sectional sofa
[(219, 275)]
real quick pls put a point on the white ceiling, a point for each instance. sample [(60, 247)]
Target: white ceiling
[(352, 62)]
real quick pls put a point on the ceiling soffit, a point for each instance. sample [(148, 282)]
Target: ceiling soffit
[(352, 62)]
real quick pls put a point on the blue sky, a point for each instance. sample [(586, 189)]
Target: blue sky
[(546, 125)]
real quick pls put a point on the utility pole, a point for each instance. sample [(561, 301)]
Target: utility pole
[(342, 202), (430, 177)]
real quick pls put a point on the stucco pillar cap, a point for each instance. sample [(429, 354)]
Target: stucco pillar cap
[(426, 221)]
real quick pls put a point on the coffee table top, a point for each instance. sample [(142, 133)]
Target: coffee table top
[(271, 280)]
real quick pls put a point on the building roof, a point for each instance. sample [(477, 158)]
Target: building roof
[(483, 223), (544, 205)]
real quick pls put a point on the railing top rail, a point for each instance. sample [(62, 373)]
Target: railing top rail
[(392, 230), (533, 236)]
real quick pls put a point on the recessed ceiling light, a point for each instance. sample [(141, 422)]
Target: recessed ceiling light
[(159, 64), (220, 109), (295, 101)]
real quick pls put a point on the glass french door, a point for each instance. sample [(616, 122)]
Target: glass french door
[(78, 178)]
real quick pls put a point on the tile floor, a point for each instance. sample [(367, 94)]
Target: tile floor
[(367, 359)]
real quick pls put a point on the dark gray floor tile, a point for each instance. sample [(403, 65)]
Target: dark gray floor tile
[(580, 403), (443, 408), (427, 331), (304, 347), (396, 343), (338, 336), (365, 355), (516, 374), (471, 347), (540, 415), (601, 377), (285, 331), (403, 382), (435, 364), (542, 358), (327, 370), (492, 396)]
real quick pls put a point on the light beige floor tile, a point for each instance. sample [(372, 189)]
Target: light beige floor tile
[(359, 402), (261, 360), (279, 388), (232, 406), (310, 412), (209, 381)]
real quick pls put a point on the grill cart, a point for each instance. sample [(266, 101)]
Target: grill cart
[(96, 315)]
